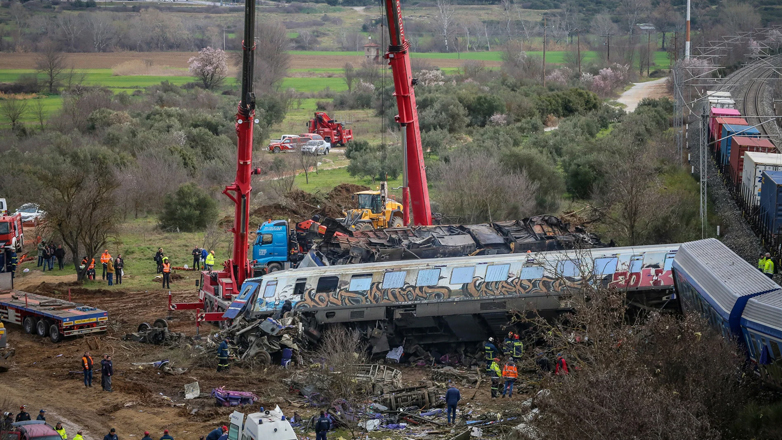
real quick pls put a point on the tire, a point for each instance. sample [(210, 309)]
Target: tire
[(396, 222), (327, 150), (42, 328), (29, 325), (160, 323), (264, 358), (54, 333), (364, 226), (276, 150), (143, 327), (274, 267)]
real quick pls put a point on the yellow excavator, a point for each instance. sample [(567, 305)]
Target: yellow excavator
[(376, 210)]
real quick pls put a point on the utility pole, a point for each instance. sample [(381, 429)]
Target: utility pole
[(704, 148), (687, 34), (578, 43), (648, 52), (608, 45), (544, 52)]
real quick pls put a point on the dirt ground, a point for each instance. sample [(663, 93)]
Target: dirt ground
[(179, 60), (651, 89), (47, 375)]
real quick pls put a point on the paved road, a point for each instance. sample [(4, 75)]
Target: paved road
[(639, 91)]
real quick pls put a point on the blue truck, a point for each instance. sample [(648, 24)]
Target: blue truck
[(277, 247)]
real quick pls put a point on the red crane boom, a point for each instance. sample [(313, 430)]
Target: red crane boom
[(415, 191)]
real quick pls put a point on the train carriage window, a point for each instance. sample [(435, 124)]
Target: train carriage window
[(462, 275), (268, 292), (774, 348), (636, 263), (668, 262), (605, 266), (569, 268), (497, 272), (532, 273), (394, 280), (300, 287), (327, 284), (360, 283), (428, 277)]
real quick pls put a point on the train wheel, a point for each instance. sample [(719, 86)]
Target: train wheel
[(54, 333), (143, 327), (263, 357), (160, 323), (29, 325), (42, 328)]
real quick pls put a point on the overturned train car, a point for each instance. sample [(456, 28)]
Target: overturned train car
[(534, 234), (463, 299)]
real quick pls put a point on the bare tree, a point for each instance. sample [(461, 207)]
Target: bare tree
[(102, 31), (308, 162), (13, 108), (69, 28), (633, 12), (665, 19), (738, 17), (50, 62), (40, 112), (271, 56), (507, 12), (350, 76), (444, 17)]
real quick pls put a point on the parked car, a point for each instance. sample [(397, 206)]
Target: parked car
[(31, 213), (3, 207), (289, 144), (316, 147), (30, 430)]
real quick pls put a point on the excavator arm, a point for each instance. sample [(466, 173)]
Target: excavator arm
[(415, 191)]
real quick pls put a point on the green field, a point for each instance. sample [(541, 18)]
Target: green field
[(105, 78), (314, 84)]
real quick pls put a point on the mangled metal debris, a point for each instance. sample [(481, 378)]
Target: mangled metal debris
[(156, 334), (225, 397), (257, 340)]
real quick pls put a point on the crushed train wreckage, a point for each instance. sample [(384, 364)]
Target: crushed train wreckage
[(536, 234)]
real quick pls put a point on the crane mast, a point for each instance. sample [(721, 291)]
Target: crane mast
[(415, 192), (239, 192)]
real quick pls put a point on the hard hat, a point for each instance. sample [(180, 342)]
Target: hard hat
[(165, 431), (43, 411), (491, 339), (211, 252), (510, 333), (515, 336), (225, 428), (146, 432), (22, 407)]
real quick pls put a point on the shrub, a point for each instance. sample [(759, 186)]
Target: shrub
[(188, 209)]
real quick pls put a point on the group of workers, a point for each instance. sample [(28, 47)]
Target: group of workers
[(202, 258), (112, 267), (766, 264), (23, 416), (47, 254), (106, 371), (513, 349)]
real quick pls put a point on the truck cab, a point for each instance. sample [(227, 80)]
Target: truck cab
[(272, 245), (263, 425), (11, 232)]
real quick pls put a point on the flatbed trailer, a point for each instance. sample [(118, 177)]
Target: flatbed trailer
[(52, 317)]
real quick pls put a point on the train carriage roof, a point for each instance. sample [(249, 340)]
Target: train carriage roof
[(764, 313), (721, 276)]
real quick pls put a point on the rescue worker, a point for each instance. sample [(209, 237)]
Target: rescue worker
[(41, 246), (518, 349), (561, 366), (60, 430), (105, 257), (507, 344), (8, 419), (91, 270), (204, 253), (106, 371), (79, 437), (452, 398), (762, 262), (110, 271), (223, 355), (119, 264), (41, 415), (287, 306), (543, 363), (196, 258), (510, 374), (216, 433), (166, 436), (159, 260), (23, 415), (769, 267), (59, 253), (495, 374), (322, 427), (490, 352), (86, 363), (210, 261), (146, 436), (112, 435), (14, 261), (166, 273)]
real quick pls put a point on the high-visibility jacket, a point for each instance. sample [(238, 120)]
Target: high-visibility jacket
[(210, 259), (510, 372), (518, 349), (105, 257), (166, 267), (62, 433), (762, 263), (494, 370), (92, 264), (86, 362), (78, 437), (507, 346), (489, 350), (769, 266)]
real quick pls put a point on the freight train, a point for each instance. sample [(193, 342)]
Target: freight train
[(750, 167)]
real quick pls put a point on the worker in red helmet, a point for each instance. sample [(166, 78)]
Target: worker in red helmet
[(518, 348), (166, 435), (146, 436), (216, 433), (23, 415)]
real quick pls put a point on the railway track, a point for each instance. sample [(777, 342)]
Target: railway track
[(752, 103)]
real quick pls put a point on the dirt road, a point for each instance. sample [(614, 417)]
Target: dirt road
[(651, 89)]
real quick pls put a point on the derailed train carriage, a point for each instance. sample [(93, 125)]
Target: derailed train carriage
[(451, 300)]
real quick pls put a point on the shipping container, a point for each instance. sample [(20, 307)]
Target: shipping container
[(741, 145), (728, 132), (721, 102), (771, 202), (721, 122), (754, 165), (715, 113)]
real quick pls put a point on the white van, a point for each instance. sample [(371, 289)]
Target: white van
[(264, 425), (3, 207)]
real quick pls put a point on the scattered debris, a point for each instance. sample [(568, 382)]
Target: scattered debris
[(156, 334), (225, 397), (192, 390), (257, 340)]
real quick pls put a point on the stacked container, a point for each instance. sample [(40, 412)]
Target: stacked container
[(742, 145), (771, 202), (751, 176), (715, 113), (728, 132), (718, 124)]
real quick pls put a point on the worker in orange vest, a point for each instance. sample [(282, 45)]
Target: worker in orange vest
[(510, 373), (166, 273), (105, 257), (91, 270)]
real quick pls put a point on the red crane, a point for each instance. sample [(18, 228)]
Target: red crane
[(414, 186)]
